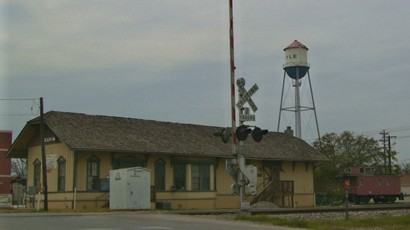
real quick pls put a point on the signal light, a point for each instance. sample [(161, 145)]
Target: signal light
[(242, 132), (225, 135), (258, 133)]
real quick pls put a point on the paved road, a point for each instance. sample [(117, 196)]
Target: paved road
[(120, 221)]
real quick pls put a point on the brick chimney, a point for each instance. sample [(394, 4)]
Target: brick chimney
[(289, 131), (5, 163)]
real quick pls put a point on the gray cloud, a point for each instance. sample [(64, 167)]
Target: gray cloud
[(169, 60)]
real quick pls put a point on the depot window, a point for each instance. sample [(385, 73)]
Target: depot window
[(36, 173), (61, 174), (179, 177), (93, 174), (160, 175), (200, 177)]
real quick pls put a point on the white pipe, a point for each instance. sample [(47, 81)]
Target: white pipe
[(75, 198), (38, 201)]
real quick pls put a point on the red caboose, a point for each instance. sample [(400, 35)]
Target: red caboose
[(366, 185)]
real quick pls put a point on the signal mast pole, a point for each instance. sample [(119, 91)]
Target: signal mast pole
[(232, 65), (233, 109), (246, 174), (235, 151)]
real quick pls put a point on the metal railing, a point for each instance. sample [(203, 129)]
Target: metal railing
[(276, 191)]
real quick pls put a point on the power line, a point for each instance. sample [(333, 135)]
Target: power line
[(399, 129), (34, 109), (395, 129), (18, 99), (16, 115)]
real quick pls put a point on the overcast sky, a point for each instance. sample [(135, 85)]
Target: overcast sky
[(168, 60)]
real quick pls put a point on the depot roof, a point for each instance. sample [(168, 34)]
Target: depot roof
[(98, 133)]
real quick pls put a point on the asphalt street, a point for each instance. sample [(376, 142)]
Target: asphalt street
[(121, 221)]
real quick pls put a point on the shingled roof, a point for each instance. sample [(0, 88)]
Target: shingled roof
[(97, 133)]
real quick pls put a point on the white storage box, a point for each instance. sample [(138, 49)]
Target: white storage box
[(130, 188)]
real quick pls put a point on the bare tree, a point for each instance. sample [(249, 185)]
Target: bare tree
[(405, 168), (19, 167)]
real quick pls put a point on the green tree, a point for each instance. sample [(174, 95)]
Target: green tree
[(344, 151)]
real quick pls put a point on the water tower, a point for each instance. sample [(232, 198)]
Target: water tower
[(296, 68)]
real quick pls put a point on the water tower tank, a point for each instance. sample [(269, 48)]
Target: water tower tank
[(296, 65)]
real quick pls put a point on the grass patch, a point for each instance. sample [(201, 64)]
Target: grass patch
[(386, 222), (9, 210)]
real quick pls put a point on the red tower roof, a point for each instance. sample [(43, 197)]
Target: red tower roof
[(296, 44)]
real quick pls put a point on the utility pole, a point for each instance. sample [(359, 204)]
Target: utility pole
[(43, 155), (387, 151), (383, 141)]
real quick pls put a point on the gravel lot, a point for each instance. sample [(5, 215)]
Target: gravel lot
[(341, 215), (334, 215), (320, 215), (317, 216)]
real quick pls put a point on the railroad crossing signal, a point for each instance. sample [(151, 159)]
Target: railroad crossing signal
[(246, 95), (246, 116), (258, 133), (243, 131), (225, 135)]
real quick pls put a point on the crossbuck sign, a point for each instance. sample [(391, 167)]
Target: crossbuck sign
[(245, 97)]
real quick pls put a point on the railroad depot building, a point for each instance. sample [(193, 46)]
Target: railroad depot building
[(187, 162)]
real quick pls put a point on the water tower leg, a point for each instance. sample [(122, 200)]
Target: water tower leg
[(314, 107), (298, 120), (281, 100)]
